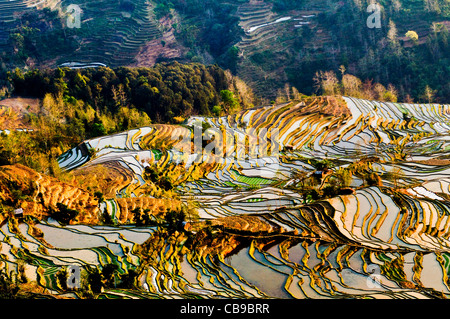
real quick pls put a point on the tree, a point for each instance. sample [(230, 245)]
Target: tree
[(327, 82), (109, 275), (217, 110), (8, 289), (175, 220), (95, 281), (390, 95), (352, 85), (141, 217), (97, 127), (413, 36), (295, 94), (392, 33), (99, 196), (428, 94), (54, 108), (396, 5), (344, 177), (229, 60), (63, 214), (287, 90), (106, 218), (432, 6), (395, 176), (229, 100), (128, 279)]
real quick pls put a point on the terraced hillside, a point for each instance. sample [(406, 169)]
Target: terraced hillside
[(267, 43), (348, 198), (113, 34), (10, 9), (108, 33), (262, 25)]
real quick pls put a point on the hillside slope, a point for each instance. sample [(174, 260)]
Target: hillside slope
[(267, 43)]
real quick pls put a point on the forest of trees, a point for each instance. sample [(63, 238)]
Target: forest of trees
[(385, 55), (164, 92)]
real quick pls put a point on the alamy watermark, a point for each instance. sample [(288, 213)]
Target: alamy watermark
[(74, 17), (374, 20), (73, 278)]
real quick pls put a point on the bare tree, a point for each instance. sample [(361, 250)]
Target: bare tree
[(352, 85), (392, 33), (428, 94), (327, 81)]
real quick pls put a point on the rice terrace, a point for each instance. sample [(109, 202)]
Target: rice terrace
[(194, 180)]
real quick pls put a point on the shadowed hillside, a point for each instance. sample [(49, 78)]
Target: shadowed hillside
[(269, 44)]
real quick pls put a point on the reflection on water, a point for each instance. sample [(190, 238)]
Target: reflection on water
[(278, 269), (268, 280)]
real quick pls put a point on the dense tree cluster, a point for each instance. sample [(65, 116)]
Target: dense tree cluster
[(283, 5), (392, 54), (163, 92)]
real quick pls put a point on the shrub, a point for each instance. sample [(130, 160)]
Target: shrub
[(63, 214), (329, 191), (99, 196), (127, 280), (8, 290), (412, 35), (95, 281), (106, 219)]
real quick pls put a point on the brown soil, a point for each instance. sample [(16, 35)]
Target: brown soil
[(13, 112), (155, 49), (435, 162)]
